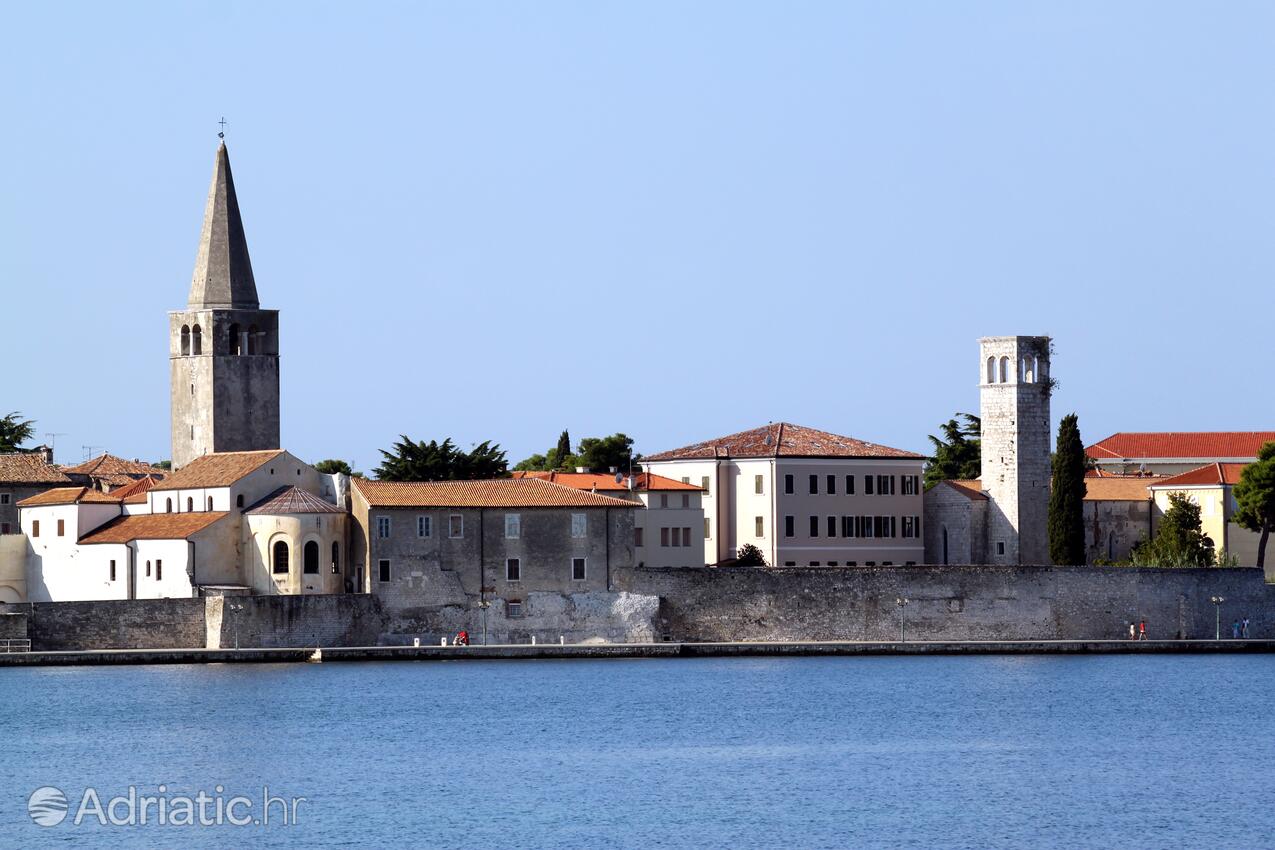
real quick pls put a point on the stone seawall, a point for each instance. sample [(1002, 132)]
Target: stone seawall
[(950, 603)]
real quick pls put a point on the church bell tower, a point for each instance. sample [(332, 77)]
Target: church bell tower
[(223, 348)]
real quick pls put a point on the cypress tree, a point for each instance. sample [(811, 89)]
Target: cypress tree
[(1067, 496), (564, 446)]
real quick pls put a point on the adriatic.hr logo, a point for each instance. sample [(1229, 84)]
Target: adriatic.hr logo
[(48, 807)]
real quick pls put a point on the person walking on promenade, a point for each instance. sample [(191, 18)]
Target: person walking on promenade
[(1244, 629), (1235, 630), (1133, 632), (1142, 630)]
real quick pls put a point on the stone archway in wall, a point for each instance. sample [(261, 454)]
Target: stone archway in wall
[(9, 594)]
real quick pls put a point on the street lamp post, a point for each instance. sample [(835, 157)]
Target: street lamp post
[(236, 608), (902, 602), (1217, 606), (484, 605)]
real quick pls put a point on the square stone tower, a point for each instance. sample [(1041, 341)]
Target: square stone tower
[(1014, 390), (223, 348)]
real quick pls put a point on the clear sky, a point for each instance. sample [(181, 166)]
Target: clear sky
[(678, 220)]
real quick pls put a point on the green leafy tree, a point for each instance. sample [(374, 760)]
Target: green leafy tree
[(334, 466), (1067, 496), (163, 464), (1179, 541), (958, 454), (14, 431), (750, 556), (535, 463), (408, 460), (602, 453), (1255, 495)]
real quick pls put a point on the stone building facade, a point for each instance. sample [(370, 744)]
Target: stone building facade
[(23, 475)]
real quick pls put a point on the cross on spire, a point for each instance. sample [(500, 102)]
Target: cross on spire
[(222, 122)]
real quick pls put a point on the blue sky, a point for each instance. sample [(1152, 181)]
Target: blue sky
[(679, 220)]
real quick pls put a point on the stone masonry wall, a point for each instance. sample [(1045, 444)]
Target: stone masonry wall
[(950, 603)]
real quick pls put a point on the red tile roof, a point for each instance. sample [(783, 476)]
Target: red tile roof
[(108, 465), (217, 470), (293, 500), (781, 439), (969, 488), (1202, 445), (24, 468), (1212, 473), (605, 482), (135, 493), (69, 496), (126, 529), (499, 493)]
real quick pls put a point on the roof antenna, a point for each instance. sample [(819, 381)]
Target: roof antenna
[(222, 135)]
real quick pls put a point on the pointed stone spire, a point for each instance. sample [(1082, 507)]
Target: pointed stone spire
[(223, 272)]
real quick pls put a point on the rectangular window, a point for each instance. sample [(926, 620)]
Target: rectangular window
[(847, 526), (456, 525), (1000, 547), (159, 570), (686, 500), (788, 484), (814, 485), (384, 573), (789, 526), (832, 485), (61, 528), (686, 479), (513, 526), (4, 498), (814, 526), (865, 526), (894, 526), (513, 609), (637, 536), (759, 526), (703, 483), (907, 523), (867, 485), (513, 569), (686, 537), (382, 527), (832, 526), (814, 563), (708, 529), (911, 485), (35, 528), (112, 578), (916, 526), (664, 500), (424, 526), (757, 484), (878, 526), (664, 537), (849, 485), (577, 569), (579, 526)]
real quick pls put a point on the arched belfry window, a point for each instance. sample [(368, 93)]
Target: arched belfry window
[(311, 555), (1029, 370), (196, 340), (1004, 370), (185, 340), (991, 370), (254, 341), (234, 342), (280, 558), (190, 504)]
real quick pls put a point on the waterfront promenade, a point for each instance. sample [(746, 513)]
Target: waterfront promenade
[(628, 650)]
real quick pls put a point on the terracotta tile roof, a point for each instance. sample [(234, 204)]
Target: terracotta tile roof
[(69, 496), (126, 529), (293, 500), (135, 493), (217, 470), (781, 439), (28, 469), (499, 493), (1119, 488), (1213, 473), (970, 488), (108, 465), (1203, 445), (605, 482)]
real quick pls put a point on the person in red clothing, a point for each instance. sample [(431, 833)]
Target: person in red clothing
[(1142, 630), (462, 638)]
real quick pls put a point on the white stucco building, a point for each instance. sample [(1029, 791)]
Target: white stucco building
[(804, 497)]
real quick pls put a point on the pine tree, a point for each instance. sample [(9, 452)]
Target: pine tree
[(1255, 495), (1067, 496), (958, 454)]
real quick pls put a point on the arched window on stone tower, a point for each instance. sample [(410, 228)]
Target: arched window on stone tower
[(991, 370), (234, 343), (196, 340), (310, 554), (254, 340), (1004, 370), (280, 557), (185, 340)]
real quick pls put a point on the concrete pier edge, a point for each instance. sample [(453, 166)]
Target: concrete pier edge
[(628, 650)]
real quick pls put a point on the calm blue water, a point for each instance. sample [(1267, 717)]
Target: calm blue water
[(1119, 751)]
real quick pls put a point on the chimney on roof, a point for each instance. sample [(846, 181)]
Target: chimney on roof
[(46, 453), (582, 469), (613, 470)]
